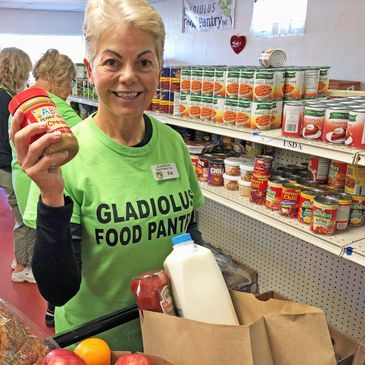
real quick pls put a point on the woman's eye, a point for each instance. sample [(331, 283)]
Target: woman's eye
[(111, 63), (145, 64)]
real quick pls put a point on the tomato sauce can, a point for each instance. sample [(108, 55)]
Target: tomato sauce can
[(272, 57), (262, 166), (357, 212), (292, 119), (337, 174), (318, 169), (305, 204), (355, 132), (344, 208), (289, 201), (274, 193), (324, 212), (215, 173)]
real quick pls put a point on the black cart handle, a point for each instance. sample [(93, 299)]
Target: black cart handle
[(96, 326)]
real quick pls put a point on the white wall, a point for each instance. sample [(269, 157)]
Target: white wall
[(335, 36)]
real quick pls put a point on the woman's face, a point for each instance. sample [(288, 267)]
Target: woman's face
[(125, 72)]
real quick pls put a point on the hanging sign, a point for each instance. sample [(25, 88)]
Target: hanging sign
[(204, 15)]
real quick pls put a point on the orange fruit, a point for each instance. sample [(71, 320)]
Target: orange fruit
[(94, 351)]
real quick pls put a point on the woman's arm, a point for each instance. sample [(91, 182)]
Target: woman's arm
[(56, 262)]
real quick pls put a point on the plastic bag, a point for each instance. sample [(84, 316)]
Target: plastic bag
[(236, 277), (21, 341)]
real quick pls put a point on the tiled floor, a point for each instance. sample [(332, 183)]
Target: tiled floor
[(23, 296)]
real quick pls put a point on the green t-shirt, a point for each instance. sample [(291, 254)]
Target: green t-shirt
[(127, 219), (21, 181)]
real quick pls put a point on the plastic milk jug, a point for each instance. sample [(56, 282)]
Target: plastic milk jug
[(198, 287)]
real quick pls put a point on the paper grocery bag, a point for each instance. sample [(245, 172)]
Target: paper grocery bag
[(274, 332)]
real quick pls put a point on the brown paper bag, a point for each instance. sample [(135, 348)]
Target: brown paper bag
[(274, 332)]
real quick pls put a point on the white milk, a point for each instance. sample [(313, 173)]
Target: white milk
[(198, 287)]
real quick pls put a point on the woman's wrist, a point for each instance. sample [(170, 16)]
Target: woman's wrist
[(53, 200)]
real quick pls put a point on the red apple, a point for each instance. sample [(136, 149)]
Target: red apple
[(62, 357), (133, 359)]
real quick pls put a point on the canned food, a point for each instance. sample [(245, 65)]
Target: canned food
[(194, 160), (263, 85), (305, 204), (246, 83), (253, 149), (355, 180), (276, 114), (357, 211), (335, 124), (323, 80), (259, 183), (244, 187), (261, 115), (289, 200), (274, 193), (324, 211), (337, 174), (262, 166), (292, 119), (257, 196), (230, 182), (294, 82), (311, 80), (216, 171), (343, 211), (313, 121), (318, 169), (307, 184), (355, 132), (272, 57), (246, 170), (203, 168), (232, 166)]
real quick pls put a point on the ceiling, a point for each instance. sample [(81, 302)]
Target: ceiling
[(64, 5)]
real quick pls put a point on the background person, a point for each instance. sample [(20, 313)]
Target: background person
[(15, 66), (54, 72)]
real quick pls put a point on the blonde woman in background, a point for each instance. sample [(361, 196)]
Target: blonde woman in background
[(15, 66), (108, 217), (54, 72)]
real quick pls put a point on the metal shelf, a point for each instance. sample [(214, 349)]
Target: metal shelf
[(270, 138), (85, 101), (355, 252), (335, 244)]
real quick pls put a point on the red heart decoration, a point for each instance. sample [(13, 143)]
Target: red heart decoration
[(238, 43)]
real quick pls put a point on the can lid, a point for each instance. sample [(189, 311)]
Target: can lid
[(185, 237), (230, 177), (233, 161), (23, 96)]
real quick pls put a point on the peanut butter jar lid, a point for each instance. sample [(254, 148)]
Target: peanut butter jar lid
[(23, 96)]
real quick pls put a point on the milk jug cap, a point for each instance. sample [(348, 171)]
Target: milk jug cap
[(181, 238)]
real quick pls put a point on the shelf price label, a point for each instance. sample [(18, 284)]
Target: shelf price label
[(292, 145)]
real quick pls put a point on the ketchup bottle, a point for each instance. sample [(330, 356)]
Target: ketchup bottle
[(152, 292)]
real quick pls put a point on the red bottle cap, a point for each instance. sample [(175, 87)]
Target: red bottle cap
[(23, 96)]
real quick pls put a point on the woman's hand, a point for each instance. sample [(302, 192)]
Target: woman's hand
[(39, 167)]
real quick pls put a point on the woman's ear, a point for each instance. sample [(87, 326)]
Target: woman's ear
[(89, 71)]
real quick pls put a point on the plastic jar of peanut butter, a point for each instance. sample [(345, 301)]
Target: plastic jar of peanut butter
[(38, 107)]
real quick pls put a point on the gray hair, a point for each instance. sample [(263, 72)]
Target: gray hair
[(101, 15)]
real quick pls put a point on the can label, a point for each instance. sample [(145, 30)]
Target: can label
[(324, 216), (232, 82), (311, 79), (313, 121), (243, 115), (305, 205), (355, 132), (318, 169), (293, 84), (357, 212), (323, 81), (334, 127), (276, 114), (246, 83), (289, 202), (292, 119), (262, 166), (261, 115), (355, 180), (337, 174), (263, 85), (215, 173), (259, 183), (274, 195)]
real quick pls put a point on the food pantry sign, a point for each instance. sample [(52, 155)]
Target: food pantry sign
[(203, 15)]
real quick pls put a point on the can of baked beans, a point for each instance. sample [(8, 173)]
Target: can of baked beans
[(294, 82), (292, 119), (357, 212), (272, 57), (262, 166), (232, 82), (215, 173), (246, 83), (263, 85), (289, 200), (279, 81), (343, 211), (274, 192), (323, 80), (355, 132), (324, 212), (337, 174), (305, 204), (276, 114), (261, 115), (318, 169), (355, 180), (311, 79)]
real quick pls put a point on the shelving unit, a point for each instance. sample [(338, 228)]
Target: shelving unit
[(323, 271)]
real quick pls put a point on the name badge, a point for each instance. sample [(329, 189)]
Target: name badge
[(165, 171)]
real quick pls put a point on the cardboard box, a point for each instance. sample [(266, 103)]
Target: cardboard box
[(344, 85), (154, 359), (343, 345)]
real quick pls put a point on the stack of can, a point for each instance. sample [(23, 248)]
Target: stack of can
[(259, 181)]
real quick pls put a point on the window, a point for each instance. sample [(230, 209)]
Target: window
[(273, 18)]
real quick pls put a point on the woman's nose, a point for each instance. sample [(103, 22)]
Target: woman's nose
[(128, 74)]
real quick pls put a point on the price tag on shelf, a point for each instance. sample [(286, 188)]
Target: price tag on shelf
[(292, 145), (259, 138)]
